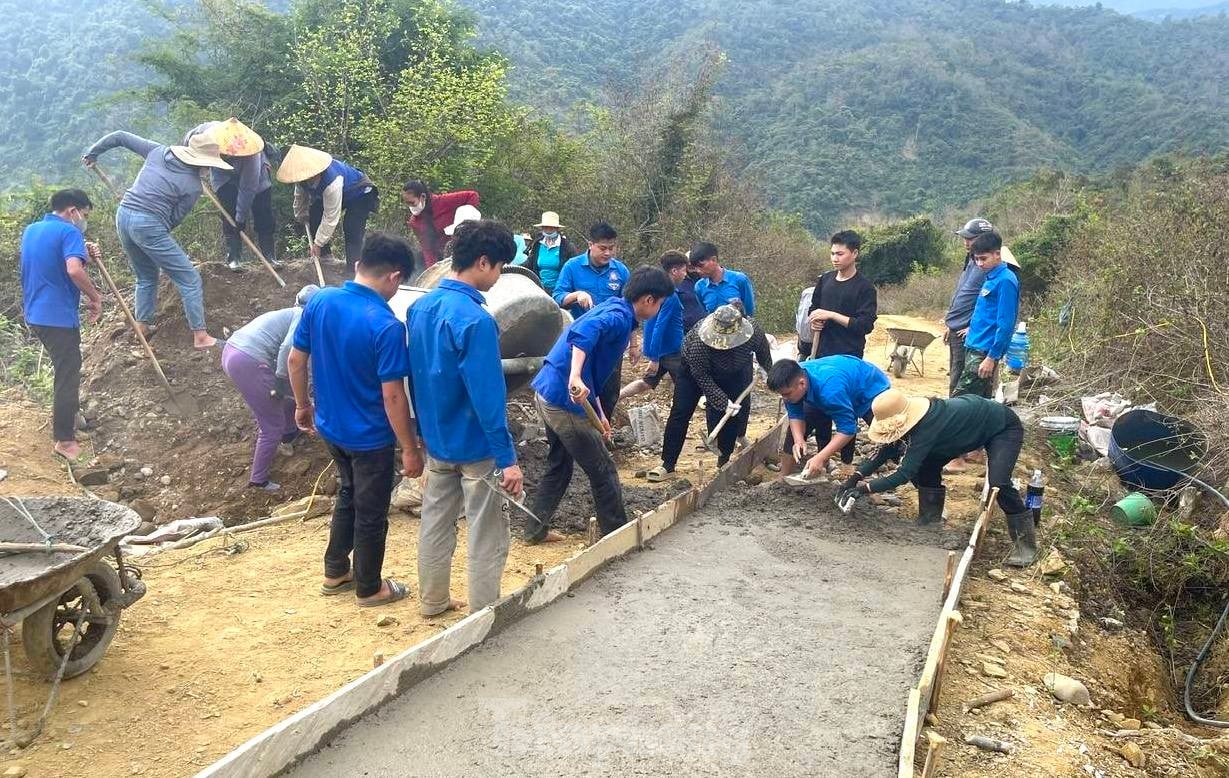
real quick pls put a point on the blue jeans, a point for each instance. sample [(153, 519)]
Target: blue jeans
[(151, 249)]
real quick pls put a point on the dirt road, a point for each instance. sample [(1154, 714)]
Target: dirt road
[(764, 636)]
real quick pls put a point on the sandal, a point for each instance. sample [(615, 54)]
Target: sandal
[(658, 474), (397, 591), (331, 589)]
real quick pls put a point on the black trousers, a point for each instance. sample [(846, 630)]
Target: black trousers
[(63, 344), (671, 364), (354, 217), (819, 424), (573, 441), (687, 394), (262, 221), (360, 517), (1002, 451), (609, 396)]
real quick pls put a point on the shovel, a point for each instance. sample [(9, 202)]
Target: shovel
[(708, 440), (492, 483), (213, 198)]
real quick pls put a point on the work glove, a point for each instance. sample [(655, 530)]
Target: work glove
[(281, 387), (852, 493), (851, 482), (732, 408)]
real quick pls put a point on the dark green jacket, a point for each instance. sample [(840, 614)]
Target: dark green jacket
[(950, 428)]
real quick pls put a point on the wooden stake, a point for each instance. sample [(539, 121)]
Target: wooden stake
[(591, 533), (226, 215), (908, 742), (54, 548), (949, 628), (948, 575), (934, 745), (986, 699), (377, 659), (537, 568)]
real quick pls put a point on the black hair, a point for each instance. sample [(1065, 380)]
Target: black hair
[(847, 238), (70, 198), (474, 240), (602, 231), (416, 187), (783, 373), (647, 281), (384, 251), (673, 259), (702, 251), (987, 242)]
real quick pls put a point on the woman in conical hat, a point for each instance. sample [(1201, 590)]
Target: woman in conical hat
[(246, 192), (162, 194), (329, 193)]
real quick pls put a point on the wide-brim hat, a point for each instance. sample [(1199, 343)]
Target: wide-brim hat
[(725, 328), (549, 219), (201, 151), (895, 414), (301, 163), (236, 139), (464, 213), (1009, 258)]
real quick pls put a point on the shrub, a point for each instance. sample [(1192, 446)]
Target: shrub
[(890, 251)]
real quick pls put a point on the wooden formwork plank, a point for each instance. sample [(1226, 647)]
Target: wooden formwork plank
[(908, 743)]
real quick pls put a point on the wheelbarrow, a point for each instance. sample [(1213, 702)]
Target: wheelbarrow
[(908, 347), (56, 583)]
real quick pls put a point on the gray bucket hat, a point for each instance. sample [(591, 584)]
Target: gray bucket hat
[(725, 328)]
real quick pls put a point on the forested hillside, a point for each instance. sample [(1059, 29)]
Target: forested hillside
[(895, 106)]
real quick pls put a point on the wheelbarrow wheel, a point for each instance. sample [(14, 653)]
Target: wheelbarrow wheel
[(48, 632), (898, 363)]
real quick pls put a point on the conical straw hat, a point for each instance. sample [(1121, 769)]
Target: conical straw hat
[(301, 163), (236, 139)]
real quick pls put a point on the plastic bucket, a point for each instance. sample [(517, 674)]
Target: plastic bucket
[(1152, 451), (1134, 510), (1064, 444)]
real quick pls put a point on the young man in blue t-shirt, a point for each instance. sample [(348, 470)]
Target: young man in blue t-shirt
[(53, 278), (576, 369), (994, 317), (719, 285), (460, 402), (359, 363)]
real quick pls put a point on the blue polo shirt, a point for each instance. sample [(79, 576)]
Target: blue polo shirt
[(603, 335), (994, 314), (602, 284), (663, 334), (49, 296), (732, 286), (456, 377), (841, 386), (356, 344)]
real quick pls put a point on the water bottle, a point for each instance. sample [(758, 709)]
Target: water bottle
[(1034, 495), (1017, 350)]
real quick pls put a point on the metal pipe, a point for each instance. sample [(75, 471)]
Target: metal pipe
[(522, 365)]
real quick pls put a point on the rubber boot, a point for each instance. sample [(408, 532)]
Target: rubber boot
[(930, 504), (1024, 537), (234, 251)]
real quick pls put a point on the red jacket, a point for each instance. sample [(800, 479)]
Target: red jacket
[(443, 207)]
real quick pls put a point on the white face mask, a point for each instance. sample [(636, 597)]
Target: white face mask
[(417, 209), (79, 222)]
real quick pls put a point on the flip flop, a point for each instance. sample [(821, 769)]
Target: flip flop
[(344, 586), (658, 474), (397, 591)]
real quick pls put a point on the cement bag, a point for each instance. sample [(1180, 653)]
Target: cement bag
[(646, 426)]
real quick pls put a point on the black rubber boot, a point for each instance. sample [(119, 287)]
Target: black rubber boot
[(234, 251), (930, 504), (1024, 535)]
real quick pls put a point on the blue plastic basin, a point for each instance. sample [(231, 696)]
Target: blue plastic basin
[(1152, 451)]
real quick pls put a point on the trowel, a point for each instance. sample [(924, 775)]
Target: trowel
[(492, 483)]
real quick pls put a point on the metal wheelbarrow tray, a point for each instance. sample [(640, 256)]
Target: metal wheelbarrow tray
[(908, 348), (48, 590)]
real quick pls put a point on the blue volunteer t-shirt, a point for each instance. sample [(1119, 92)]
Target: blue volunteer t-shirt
[(602, 334), (841, 386), (994, 314), (356, 344), (49, 296), (733, 286), (602, 283)]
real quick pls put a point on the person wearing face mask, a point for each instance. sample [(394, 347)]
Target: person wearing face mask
[(53, 278), (431, 213), (329, 193), (549, 252), (359, 363)]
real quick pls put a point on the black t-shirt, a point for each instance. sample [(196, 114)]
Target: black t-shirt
[(855, 298)]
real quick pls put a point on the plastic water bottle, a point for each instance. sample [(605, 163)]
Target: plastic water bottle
[(1017, 350), (1034, 496)]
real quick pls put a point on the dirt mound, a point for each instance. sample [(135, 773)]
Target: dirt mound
[(199, 462)]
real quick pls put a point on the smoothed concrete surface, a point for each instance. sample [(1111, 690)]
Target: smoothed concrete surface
[(762, 636)]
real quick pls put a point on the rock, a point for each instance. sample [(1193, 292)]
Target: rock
[(1019, 588), (996, 575), (92, 476), (1057, 587), (1054, 563), (15, 771), (1001, 645), (144, 508), (1067, 689), (328, 487), (147, 472), (992, 670), (386, 621), (83, 703), (1130, 724), (1132, 753), (4, 474), (1109, 623), (165, 480), (1152, 725)]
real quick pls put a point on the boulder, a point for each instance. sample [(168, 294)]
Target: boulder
[(1067, 689)]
